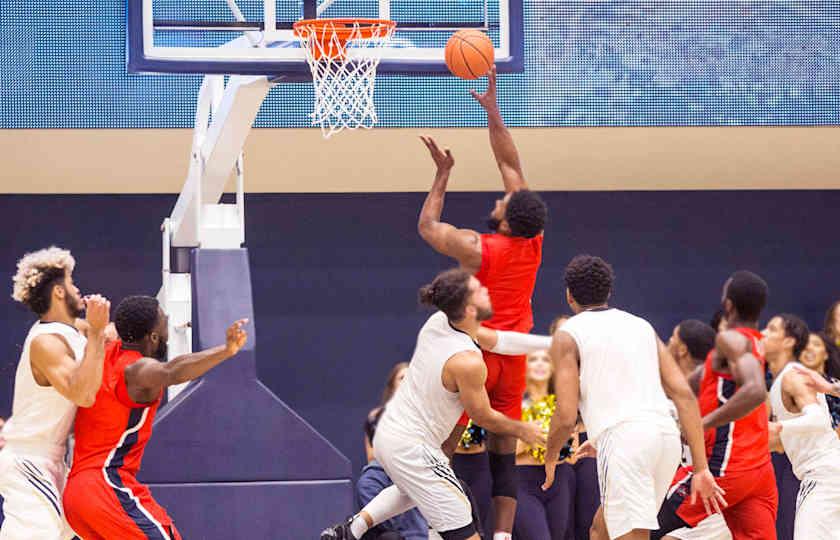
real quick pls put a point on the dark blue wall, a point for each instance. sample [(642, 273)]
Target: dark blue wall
[(335, 276)]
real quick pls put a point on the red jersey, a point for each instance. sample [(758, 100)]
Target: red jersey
[(741, 445), (113, 432), (103, 498), (508, 269)]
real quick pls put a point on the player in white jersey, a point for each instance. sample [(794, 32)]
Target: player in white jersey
[(689, 344), (614, 367), (60, 368), (802, 429), (446, 376)]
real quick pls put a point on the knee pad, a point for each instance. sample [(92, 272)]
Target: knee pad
[(458, 534), (505, 479)]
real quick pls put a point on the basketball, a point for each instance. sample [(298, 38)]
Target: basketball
[(469, 54)]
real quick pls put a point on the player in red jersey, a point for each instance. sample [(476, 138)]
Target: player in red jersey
[(732, 400), (506, 262), (103, 499)]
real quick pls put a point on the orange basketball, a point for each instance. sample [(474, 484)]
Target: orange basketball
[(469, 54)]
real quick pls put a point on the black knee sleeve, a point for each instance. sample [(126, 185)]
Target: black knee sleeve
[(458, 534), (505, 480)]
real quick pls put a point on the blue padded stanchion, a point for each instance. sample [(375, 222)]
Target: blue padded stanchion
[(228, 459)]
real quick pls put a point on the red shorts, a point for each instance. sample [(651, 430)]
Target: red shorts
[(120, 507), (505, 384), (752, 498)]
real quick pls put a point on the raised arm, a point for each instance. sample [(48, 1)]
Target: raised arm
[(467, 372), (501, 141), (748, 375), (53, 362), (146, 378), (566, 358), (678, 390), (463, 245)]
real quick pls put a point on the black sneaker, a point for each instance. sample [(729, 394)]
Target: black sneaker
[(340, 531)]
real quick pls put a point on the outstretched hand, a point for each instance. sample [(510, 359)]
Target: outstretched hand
[(236, 337), (442, 158), (704, 485), (488, 98)]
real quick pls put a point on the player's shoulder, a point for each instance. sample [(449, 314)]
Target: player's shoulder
[(731, 339)]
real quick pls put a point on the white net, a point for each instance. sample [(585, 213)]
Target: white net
[(343, 56)]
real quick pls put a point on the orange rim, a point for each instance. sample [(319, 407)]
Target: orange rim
[(343, 28)]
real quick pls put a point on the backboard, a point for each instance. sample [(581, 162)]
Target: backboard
[(254, 37)]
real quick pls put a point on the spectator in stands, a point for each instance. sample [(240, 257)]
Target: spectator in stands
[(831, 328), (409, 525), (395, 377), (822, 355), (472, 467), (542, 515)]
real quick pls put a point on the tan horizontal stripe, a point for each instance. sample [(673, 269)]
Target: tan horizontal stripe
[(298, 160)]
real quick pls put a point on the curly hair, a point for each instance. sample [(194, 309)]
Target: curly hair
[(748, 293), (796, 328), (448, 292), (699, 337), (37, 273), (589, 279), (526, 213), (136, 317)]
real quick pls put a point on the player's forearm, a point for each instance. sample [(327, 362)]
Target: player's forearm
[(504, 148), (192, 366), (747, 398), (433, 205), (558, 433), (689, 415), (87, 377), (495, 422)]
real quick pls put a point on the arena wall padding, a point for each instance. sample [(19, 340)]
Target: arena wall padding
[(227, 442)]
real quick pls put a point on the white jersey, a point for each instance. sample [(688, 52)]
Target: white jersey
[(41, 417), (619, 372), (422, 409), (813, 454)]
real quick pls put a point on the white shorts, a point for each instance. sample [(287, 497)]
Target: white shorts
[(31, 488), (712, 528), (422, 473), (636, 465), (817, 510)]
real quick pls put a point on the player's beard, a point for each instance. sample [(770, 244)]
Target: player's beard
[(484, 314), (162, 351), (74, 306)]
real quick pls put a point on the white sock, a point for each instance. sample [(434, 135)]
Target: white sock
[(359, 526), (389, 503), (500, 535)]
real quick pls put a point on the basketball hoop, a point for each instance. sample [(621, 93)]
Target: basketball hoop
[(343, 55)]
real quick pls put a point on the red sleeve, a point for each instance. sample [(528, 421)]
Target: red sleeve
[(121, 391)]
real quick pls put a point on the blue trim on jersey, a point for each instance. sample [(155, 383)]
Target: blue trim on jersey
[(722, 433), (47, 493), (129, 505)]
